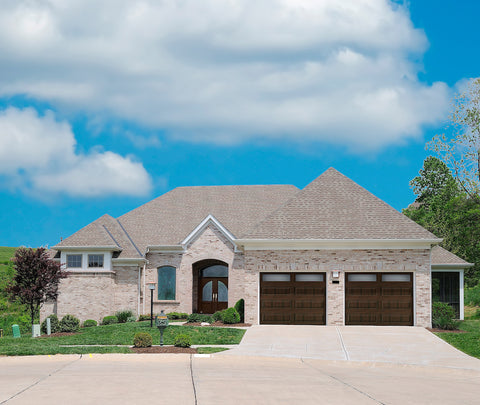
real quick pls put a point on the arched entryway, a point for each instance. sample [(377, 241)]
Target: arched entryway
[(212, 282)]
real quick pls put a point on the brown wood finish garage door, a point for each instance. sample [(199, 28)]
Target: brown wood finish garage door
[(379, 299), (292, 298)]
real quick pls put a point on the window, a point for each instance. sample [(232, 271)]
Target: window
[(309, 277), (74, 261), (95, 260), (166, 283), (362, 277), (276, 277)]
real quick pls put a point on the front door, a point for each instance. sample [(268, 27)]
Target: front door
[(213, 294)]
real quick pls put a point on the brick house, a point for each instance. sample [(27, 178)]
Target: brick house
[(331, 253)]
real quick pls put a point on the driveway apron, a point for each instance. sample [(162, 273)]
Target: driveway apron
[(385, 344)]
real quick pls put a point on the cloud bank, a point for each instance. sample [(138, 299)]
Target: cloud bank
[(38, 155), (227, 71)]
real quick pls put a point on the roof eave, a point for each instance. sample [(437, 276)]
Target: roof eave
[(309, 244), (89, 248), (438, 266)]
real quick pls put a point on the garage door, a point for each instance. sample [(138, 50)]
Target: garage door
[(292, 298), (379, 299)]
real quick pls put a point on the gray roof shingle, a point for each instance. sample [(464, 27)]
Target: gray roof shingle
[(335, 207), (441, 256)]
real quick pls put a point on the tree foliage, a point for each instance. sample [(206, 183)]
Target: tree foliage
[(36, 279), (445, 210), (461, 150)]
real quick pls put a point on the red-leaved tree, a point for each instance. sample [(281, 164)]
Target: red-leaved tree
[(36, 278)]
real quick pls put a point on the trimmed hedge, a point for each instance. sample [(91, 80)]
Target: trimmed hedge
[(230, 315), (142, 339), (109, 320), (182, 341), (89, 323), (54, 324), (177, 315), (217, 316), (198, 318), (240, 307), (144, 317), (69, 323)]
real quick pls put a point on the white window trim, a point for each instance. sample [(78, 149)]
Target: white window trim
[(107, 260)]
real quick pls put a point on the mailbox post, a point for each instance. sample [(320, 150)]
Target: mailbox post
[(151, 287), (161, 322)]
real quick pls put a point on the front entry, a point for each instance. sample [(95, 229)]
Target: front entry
[(213, 289)]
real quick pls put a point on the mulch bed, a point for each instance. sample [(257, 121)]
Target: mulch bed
[(163, 349), (436, 330), (218, 323)]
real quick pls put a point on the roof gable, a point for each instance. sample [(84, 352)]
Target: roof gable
[(442, 257), (335, 207)]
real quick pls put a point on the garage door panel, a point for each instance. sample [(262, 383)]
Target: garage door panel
[(388, 301), (301, 301)]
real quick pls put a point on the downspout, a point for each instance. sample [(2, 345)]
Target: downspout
[(144, 280), (139, 290)]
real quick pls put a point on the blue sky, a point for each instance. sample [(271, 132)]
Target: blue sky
[(106, 106)]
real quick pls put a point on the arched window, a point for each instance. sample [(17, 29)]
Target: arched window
[(166, 282)]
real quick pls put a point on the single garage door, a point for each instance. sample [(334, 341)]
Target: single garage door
[(292, 298), (379, 299)]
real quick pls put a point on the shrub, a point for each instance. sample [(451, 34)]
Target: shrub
[(443, 316), (89, 323), (122, 316), (69, 323), (230, 315), (195, 318), (109, 320), (144, 317), (177, 315), (142, 339), (54, 324), (217, 316), (182, 341), (132, 319), (240, 307)]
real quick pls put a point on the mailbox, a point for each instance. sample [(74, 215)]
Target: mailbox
[(161, 322)]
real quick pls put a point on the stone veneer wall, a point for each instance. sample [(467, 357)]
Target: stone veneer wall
[(210, 244), (93, 295), (408, 260)]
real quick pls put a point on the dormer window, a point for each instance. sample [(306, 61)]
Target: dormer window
[(95, 261), (74, 261)]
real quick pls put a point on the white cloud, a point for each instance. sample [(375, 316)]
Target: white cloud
[(226, 71), (38, 155)]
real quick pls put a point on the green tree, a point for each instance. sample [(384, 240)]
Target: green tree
[(36, 279), (461, 150)]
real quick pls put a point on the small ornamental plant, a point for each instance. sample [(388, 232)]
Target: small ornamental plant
[(182, 341), (142, 339), (109, 320), (240, 307), (54, 324), (89, 323), (123, 316), (69, 323), (443, 316), (230, 315)]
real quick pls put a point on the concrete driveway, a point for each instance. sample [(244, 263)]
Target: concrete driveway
[(385, 344)]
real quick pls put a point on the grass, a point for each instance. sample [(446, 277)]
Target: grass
[(466, 342), (118, 334), (210, 350), (10, 313)]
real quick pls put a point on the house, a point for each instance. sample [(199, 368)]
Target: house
[(331, 254)]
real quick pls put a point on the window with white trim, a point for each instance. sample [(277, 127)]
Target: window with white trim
[(95, 261), (74, 261)]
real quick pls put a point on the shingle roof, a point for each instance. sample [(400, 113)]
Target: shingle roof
[(442, 256), (105, 231), (168, 219), (335, 207)]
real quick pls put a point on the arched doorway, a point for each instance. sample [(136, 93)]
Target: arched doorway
[(212, 286)]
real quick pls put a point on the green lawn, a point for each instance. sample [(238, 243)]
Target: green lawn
[(466, 342), (118, 334)]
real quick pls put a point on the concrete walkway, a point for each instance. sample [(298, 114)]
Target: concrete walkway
[(387, 344)]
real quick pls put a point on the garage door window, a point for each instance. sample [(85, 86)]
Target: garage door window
[(362, 277), (405, 278), (309, 277), (276, 277)]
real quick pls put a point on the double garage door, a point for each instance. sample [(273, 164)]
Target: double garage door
[(370, 298)]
